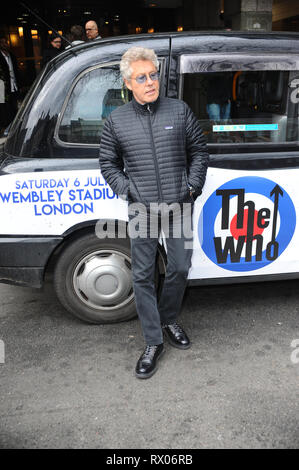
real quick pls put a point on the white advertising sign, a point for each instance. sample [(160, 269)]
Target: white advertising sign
[(244, 222), (50, 203)]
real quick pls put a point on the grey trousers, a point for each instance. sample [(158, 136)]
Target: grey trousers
[(144, 249)]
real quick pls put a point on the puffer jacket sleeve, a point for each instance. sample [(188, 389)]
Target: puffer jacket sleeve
[(111, 162), (198, 156)]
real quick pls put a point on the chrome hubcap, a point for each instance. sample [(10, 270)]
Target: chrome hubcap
[(102, 280)]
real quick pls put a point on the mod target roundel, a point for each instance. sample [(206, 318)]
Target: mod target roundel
[(247, 223)]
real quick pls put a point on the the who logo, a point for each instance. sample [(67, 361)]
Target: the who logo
[(247, 223)]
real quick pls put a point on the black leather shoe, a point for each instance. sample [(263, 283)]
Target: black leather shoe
[(147, 363), (176, 336)]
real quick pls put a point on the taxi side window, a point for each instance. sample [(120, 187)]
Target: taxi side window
[(96, 93), (241, 105)]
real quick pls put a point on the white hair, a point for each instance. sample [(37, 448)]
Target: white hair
[(132, 55)]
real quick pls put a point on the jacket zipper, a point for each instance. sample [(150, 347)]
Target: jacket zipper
[(154, 154)]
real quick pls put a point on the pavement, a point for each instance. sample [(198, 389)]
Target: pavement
[(67, 384)]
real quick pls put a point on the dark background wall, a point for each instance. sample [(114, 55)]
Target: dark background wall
[(28, 35)]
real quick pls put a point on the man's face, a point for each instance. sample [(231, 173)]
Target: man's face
[(91, 30), (4, 44), (145, 92), (56, 43)]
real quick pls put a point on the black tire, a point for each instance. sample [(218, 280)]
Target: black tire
[(92, 279)]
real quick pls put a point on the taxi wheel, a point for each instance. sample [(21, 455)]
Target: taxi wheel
[(93, 280)]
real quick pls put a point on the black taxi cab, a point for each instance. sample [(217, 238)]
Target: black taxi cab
[(244, 89)]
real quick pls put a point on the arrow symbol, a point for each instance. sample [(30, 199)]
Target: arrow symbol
[(276, 191)]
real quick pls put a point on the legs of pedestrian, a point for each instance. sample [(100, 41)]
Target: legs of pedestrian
[(179, 253)]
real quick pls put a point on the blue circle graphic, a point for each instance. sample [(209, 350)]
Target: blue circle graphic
[(250, 184)]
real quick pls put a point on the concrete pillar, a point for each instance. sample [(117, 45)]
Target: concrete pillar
[(249, 15)]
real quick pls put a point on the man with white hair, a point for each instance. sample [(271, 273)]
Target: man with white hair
[(152, 152), (92, 30)]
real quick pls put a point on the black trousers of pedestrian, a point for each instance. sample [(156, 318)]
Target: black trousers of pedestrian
[(8, 110), (153, 314)]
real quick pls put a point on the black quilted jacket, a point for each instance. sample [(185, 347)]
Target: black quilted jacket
[(151, 153)]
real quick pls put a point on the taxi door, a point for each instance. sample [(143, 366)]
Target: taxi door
[(245, 220)]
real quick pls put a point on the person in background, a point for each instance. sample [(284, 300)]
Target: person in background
[(3, 99), (10, 87), (92, 30), (219, 96), (54, 48), (77, 35)]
